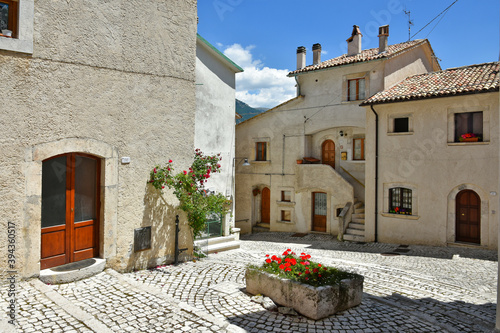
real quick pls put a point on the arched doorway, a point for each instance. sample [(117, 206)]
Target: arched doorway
[(328, 153), (70, 209), (468, 217), (265, 208)]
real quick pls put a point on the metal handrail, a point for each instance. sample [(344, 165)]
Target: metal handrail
[(356, 179)]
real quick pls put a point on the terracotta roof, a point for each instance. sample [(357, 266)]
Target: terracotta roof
[(365, 55), (454, 81)]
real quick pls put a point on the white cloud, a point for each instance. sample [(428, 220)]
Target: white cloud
[(259, 86)]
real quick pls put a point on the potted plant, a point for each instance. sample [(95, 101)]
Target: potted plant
[(314, 290), (469, 137)]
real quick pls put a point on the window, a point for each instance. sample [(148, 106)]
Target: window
[(261, 151), (400, 201), (286, 196), (286, 215), (8, 17), (401, 125), (469, 126), (359, 149), (355, 89)]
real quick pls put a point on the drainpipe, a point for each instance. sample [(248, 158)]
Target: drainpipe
[(376, 172)]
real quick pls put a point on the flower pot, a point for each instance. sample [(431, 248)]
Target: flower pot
[(312, 302), (299, 161), (476, 139)]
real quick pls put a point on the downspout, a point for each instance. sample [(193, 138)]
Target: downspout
[(376, 172)]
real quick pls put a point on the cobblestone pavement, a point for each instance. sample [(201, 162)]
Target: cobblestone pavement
[(407, 289)]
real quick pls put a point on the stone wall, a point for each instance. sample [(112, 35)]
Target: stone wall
[(112, 79)]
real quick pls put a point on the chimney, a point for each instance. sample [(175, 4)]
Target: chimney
[(383, 35), (301, 57), (316, 53), (354, 42)]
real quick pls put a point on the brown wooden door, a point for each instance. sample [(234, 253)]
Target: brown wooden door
[(265, 211), (70, 206), (319, 211), (468, 219), (328, 153)]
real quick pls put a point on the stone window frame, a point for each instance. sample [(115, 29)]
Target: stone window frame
[(354, 76), (24, 41), (390, 123), (467, 109), (414, 200), (254, 150)]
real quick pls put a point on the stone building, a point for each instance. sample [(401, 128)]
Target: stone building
[(432, 159), (94, 95), (307, 155), (214, 134)]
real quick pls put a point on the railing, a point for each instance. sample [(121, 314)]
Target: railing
[(356, 179), (213, 227), (342, 220)]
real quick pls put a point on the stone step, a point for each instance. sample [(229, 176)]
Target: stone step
[(354, 238), (362, 221), (215, 240), (220, 247), (358, 215), (257, 229), (352, 231), (355, 225), (359, 210), (358, 204), (73, 272), (264, 225)]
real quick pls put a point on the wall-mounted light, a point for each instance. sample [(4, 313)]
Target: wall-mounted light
[(244, 159), (341, 133)]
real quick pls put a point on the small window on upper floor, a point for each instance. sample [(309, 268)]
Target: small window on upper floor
[(356, 89), (401, 125), (468, 126), (261, 151), (9, 18), (286, 196)]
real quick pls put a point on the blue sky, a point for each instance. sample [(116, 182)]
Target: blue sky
[(262, 35)]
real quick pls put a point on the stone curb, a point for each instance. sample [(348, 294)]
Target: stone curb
[(140, 286), (71, 309)]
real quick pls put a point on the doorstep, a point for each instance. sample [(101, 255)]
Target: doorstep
[(73, 271)]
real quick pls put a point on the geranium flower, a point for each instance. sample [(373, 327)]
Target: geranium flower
[(282, 266), (269, 261)]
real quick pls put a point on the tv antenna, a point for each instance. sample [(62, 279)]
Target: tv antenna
[(410, 22)]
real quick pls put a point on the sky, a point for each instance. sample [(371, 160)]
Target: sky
[(262, 36)]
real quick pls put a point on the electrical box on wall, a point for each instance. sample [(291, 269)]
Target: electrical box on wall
[(343, 156)]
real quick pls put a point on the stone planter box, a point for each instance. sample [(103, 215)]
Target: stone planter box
[(312, 302)]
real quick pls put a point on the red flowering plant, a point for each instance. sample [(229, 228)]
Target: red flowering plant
[(299, 268), (466, 136), (189, 188)]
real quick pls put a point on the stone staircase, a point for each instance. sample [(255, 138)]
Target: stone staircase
[(355, 231), (218, 244), (261, 227)]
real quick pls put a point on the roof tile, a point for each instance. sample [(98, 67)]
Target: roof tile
[(454, 81), (365, 55)]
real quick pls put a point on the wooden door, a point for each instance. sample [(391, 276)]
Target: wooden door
[(468, 217), (328, 153), (70, 206), (319, 211), (265, 211)]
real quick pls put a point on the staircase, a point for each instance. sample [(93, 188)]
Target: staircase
[(261, 227), (355, 231), (218, 244)]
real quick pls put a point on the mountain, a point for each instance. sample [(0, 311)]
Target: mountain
[(246, 111)]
